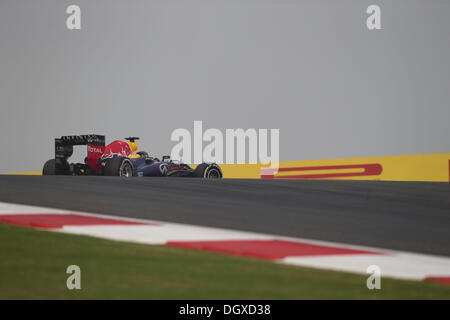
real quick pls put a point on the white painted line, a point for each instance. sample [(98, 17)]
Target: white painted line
[(402, 265), (12, 208), (161, 234)]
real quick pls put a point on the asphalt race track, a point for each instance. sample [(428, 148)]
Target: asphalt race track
[(410, 216)]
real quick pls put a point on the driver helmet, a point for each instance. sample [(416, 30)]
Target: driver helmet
[(133, 146)]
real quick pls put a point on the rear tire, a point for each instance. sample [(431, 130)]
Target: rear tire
[(118, 166), (208, 171), (50, 168)]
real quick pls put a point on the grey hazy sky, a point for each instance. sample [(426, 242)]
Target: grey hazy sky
[(310, 68)]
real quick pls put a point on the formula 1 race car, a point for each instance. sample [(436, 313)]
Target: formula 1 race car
[(119, 158)]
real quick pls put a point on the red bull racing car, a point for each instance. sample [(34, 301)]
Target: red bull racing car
[(119, 158)]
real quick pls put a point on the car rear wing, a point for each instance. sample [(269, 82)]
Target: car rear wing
[(64, 149)]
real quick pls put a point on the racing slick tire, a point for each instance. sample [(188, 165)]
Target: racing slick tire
[(208, 171), (50, 168), (118, 166)]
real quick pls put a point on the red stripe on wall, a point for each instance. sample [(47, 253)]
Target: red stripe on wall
[(266, 249), (52, 221)]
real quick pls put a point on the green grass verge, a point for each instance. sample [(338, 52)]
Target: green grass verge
[(33, 266)]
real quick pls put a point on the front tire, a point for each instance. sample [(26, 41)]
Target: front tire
[(118, 166), (208, 171)]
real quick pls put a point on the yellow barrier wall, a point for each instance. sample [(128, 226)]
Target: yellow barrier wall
[(421, 167), (24, 173)]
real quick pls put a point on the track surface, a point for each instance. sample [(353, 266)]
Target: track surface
[(410, 216)]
